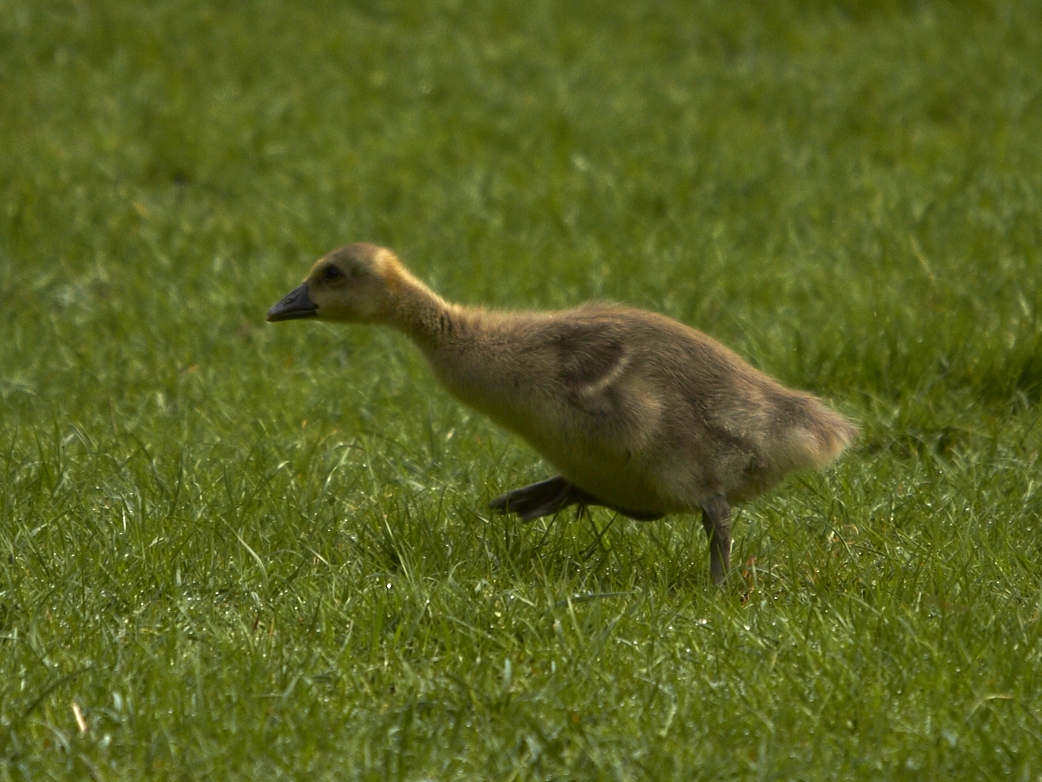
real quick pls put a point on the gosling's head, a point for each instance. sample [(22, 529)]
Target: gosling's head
[(351, 284)]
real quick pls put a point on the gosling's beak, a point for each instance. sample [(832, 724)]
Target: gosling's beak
[(295, 304)]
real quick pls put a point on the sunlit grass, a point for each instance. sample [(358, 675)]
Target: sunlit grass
[(254, 552)]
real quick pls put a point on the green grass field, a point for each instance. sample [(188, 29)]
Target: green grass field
[(233, 550)]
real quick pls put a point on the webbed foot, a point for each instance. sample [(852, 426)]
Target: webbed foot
[(553, 495)]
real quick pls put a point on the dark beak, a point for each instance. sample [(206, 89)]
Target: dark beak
[(295, 304)]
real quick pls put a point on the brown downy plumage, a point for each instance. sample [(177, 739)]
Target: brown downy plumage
[(639, 413)]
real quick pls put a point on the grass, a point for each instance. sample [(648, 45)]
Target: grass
[(243, 552)]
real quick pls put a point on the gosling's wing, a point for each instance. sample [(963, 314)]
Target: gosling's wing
[(590, 364), (591, 360), (610, 389)]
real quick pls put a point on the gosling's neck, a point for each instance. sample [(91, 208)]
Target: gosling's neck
[(421, 314)]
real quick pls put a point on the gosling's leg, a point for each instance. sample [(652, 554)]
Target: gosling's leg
[(716, 518), (552, 495)]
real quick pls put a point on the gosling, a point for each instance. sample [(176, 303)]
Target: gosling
[(639, 413)]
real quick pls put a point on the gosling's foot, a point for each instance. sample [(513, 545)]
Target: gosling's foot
[(553, 495), (539, 499)]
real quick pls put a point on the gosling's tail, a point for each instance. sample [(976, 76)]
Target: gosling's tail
[(813, 435)]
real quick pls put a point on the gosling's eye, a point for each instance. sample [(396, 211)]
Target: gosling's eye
[(332, 274)]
